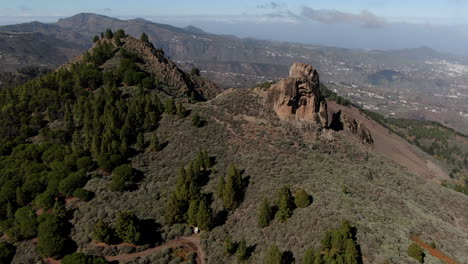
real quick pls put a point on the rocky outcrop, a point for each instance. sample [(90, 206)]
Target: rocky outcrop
[(342, 121), (298, 96)]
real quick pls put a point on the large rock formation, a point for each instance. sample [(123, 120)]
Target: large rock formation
[(298, 96)]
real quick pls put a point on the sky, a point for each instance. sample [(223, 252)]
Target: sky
[(413, 22)]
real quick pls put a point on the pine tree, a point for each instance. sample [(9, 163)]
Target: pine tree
[(192, 213), (127, 227), (285, 204), (181, 111), (204, 216), (141, 144), (174, 211), (264, 215), (144, 37), (169, 107), (95, 39), (155, 145), (109, 33), (351, 252), (242, 254), (102, 232), (273, 255), (51, 237), (232, 192)]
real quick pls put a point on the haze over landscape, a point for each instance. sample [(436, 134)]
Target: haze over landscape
[(272, 132), (396, 24)]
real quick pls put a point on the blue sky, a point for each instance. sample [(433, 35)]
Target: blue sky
[(429, 10)]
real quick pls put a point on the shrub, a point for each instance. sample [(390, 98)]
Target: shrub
[(7, 252), (120, 176), (416, 252), (229, 246), (301, 199), (273, 255), (195, 71), (197, 121)]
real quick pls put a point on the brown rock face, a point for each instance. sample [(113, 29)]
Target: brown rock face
[(357, 128), (298, 96)]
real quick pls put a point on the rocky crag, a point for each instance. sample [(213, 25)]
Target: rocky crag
[(298, 97)]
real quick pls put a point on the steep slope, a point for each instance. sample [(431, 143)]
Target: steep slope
[(395, 147)]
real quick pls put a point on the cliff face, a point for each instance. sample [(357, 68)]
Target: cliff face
[(298, 96)]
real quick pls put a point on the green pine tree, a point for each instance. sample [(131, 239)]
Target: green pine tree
[(273, 255), (204, 216), (242, 254), (102, 232), (265, 214), (285, 204)]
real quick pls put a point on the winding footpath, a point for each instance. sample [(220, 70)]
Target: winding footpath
[(190, 243)]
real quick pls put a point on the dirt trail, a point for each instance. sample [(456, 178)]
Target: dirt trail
[(434, 252), (191, 243), (394, 147)]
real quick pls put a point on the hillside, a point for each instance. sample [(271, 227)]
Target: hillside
[(417, 83), (119, 154), (18, 50)]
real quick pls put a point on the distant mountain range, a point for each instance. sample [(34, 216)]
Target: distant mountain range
[(232, 62)]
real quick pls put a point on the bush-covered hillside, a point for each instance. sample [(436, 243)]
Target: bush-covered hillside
[(104, 158)]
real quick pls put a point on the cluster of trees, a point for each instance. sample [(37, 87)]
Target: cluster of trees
[(33, 177), (95, 126), (126, 228), (231, 188), (239, 249), (337, 246), (284, 207), (187, 204)]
